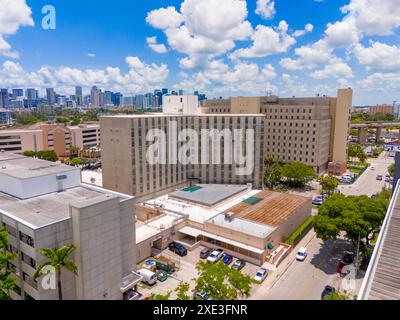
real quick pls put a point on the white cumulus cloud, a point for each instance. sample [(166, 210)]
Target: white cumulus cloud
[(265, 8), (13, 15)]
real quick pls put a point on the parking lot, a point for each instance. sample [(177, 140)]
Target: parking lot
[(186, 272)]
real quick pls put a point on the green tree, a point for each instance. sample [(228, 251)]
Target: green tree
[(7, 280), (328, 183), (297, 174), (272, 176), (29, 153), (182, 291), (391, 170), (356, 151), (336, 296), (48, 155), (76, 161), (268, 162), (221, 282), (357, 216), (58, 259), (386, 193), (157, 296)]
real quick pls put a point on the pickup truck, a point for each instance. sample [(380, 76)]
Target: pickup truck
[(215, 256)]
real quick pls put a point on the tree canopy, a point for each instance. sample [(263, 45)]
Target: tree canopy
[(328, 183), (221, 282), (356, 151), (7, 280), (297, 174), (48, 155), (355, 215)]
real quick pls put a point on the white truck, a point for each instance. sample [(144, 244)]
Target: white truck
[(149, 277), (215, 256)]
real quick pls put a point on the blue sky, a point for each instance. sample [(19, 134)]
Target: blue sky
[(220, 47)]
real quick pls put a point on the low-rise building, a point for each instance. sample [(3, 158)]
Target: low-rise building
[(45, 205), (43, 137), (247, 223)]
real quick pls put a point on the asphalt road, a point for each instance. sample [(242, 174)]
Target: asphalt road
[(367, 183), (306, 280)]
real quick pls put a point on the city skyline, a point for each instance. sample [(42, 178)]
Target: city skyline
[(264, 46)]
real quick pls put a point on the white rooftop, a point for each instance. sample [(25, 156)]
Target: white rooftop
[(197, 212)]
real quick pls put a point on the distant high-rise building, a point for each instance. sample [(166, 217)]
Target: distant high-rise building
[(108, 97), (4, 103), (51, 96), (31, 94), (32, 97), (174, 93), (180, 92), (95, 97), (78, 95), (117, 99), (17, 93), (164, 91)]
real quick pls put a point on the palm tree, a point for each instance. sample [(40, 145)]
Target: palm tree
[(58, 258)]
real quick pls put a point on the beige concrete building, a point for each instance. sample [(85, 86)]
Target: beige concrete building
[(43, 204), (381, 109), (126, 168), (41, 137), (309, 130), (247, 223)]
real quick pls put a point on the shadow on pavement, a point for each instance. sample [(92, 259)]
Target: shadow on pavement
[(329, 255)]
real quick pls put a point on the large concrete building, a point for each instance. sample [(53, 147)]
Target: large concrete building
[(45, 205), (41, 137), (382, 109), (309, 130), (125, 150)]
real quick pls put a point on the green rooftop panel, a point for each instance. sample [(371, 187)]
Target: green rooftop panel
[(192, 188), (252, 200)]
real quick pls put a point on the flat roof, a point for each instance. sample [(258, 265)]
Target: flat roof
[(145, 230), (22, 167), (191, 231), (208, 195), (241, 225), (50, 208), (196, 212), (272, 210)]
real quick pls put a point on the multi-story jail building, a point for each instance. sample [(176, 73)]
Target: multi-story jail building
[(310, 130), (125, 164)]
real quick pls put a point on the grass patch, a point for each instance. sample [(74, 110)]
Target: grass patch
[(300, 232)]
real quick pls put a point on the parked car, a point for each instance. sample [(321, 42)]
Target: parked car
[(149, 277), (162, 276), (227, 259), (318, 201), (379, 177), (204, 253), (373, 196), (177, 248), (301, 254), (372, 168), (328, 290), (215, 256), (387, 179), (348, 257), (261, 274), (200, 295), (340, 266), (238, 265)]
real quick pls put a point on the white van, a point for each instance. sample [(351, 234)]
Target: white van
[(149, 277)]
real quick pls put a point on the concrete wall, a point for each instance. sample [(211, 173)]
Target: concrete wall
[(245, 105), (31, 187), (180, 104)]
